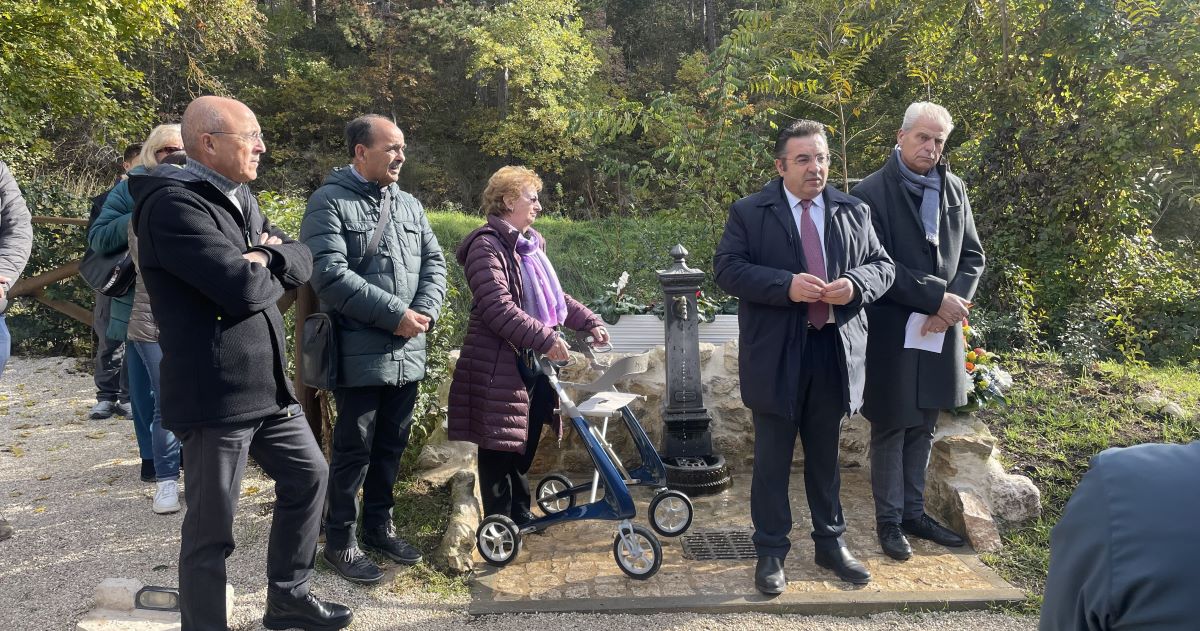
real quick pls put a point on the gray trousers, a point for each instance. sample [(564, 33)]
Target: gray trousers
[(899, 457), (112, 384), (283, 445)]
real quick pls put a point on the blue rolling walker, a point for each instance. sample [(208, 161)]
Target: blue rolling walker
[(636, 549)]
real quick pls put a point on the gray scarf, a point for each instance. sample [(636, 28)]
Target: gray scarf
[(929, 188)]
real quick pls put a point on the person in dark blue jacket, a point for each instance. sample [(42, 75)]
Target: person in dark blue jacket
[(1125, 552), (803, 259)]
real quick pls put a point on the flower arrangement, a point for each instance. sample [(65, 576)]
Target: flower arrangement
[(616, 302), (987, 381)]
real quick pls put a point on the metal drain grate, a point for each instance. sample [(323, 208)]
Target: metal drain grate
[(710, 545)]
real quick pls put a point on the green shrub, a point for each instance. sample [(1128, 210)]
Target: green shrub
[(38, 329)]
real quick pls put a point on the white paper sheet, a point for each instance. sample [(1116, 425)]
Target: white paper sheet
[(913, 338)]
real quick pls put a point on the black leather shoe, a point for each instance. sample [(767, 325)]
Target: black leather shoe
[(384, 541), (768, 575), (353, 565), (892, 540), (309, 613), (844, 565), (927, 527)]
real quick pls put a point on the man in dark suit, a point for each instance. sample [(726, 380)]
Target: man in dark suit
[(923, 218), (214, 268), (1124, 554), (803, 259)]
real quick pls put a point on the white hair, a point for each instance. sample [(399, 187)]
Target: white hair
[(925, 109)]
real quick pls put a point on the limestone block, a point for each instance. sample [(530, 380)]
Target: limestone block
[(1149, 403), (855, 444), (730, 353), (1172, 410), (116, 594), (974, 520), (706, 352), (1014, 499), (457, 548), (443, 391)]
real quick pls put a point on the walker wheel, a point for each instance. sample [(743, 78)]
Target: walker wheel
[(498, 540), (670, 513), (548, 488), (638, 554)]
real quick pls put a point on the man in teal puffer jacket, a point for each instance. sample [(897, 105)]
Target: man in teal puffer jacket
[(383, 306)]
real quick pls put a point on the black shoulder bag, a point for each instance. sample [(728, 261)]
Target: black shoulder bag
[(318, 345), (109, 274)]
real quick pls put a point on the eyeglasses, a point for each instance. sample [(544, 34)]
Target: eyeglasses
[(168, 149), (804, 160), (253, 137)]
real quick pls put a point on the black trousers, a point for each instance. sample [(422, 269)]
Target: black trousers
[(899, 457), (503, 484), (112, 380), (283, 445), (370, 436), (817, 418)]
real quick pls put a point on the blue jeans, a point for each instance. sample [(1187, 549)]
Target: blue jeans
[(141, 399), (5, 345), (166, 446)]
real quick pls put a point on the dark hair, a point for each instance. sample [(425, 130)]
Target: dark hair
[(358, 131), (132, 151), (178, 158), (798, 129)]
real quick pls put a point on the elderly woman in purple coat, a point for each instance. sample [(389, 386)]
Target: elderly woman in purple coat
[(497, 399)]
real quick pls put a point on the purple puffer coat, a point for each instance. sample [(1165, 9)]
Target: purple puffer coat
[(488, 402)]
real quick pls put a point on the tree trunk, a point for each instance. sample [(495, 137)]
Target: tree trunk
[(710, 25)]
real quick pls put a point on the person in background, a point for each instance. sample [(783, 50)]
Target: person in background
[(923, 219), (384, 303), (518, 305), (112, 381), (803, 259), (110, 233), (16, 242), (142, 339), (1124, 553)]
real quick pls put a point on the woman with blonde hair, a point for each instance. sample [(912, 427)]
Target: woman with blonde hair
[(497, 399), (110, 233)]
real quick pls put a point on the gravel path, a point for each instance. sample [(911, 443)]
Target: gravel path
[(70, 488)]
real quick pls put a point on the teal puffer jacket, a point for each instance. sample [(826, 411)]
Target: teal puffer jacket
[(369, 299), (109, 233)]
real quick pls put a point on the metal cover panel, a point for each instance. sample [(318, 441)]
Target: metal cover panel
[(710, 545)]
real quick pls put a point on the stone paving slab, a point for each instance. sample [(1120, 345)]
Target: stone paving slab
[(571, 568)]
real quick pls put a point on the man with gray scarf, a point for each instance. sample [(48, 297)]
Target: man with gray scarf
[(923, 218)]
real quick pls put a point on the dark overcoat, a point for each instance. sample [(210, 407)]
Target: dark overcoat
[(903, 381), (221, 333), (488, 402), (755, 261)]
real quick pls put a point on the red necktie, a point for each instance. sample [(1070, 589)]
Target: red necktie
[(814, 260)]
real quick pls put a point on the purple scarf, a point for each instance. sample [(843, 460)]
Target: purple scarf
[(542, 295)]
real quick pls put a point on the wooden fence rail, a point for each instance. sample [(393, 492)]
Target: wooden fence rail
[(303, 299)]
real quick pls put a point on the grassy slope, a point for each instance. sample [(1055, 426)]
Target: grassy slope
[(1056, 422)]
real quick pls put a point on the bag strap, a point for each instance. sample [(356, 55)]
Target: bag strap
[(385, 215)]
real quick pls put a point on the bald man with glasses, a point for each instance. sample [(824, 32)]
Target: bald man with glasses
[(214, 268)]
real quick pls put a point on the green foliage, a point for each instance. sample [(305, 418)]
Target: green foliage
[(63, 60), (1055, 422), (36, 328), (708, 142), (822, 66), (538, 57)]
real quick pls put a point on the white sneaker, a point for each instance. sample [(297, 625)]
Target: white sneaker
[(166, 498)]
